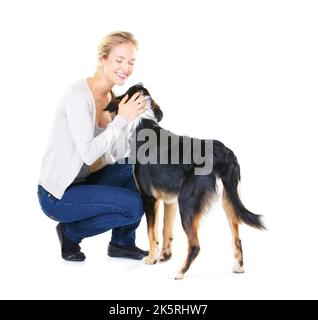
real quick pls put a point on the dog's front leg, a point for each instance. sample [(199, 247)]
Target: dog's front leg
[(168, 230), (151, 206)]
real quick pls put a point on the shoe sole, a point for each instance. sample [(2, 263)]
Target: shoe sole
[(73, 258), (126, 256)]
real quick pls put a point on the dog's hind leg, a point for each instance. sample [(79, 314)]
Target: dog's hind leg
[(194, 198), (151, 206), (168, 230), (234, 225), (190, 226)]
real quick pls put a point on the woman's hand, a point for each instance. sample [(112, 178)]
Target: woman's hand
[(132, 108)]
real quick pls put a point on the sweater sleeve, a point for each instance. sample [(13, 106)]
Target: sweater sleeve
[(81, 127)]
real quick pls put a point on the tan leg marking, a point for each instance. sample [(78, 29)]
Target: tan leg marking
[(193, 245), (153, 237), (234, 225), (168, 230)]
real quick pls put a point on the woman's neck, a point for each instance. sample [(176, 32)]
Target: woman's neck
[(99, 86)]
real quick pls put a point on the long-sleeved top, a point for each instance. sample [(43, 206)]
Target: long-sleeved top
[(72, 142)]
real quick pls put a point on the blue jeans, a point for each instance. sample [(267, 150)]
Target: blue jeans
[(107, 199)]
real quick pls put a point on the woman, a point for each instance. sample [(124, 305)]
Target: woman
[(80, 185)]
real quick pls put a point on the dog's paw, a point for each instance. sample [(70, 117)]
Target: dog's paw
[(179, 276), (165, 255), (237, 268), (150, 260)]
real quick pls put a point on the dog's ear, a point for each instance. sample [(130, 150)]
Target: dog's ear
[(120, 97), (158, 114), (157, 111), (112, 107)]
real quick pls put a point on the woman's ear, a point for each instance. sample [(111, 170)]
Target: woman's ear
[(101, 61)]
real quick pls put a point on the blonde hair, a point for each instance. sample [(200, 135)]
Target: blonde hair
[(114, 38)]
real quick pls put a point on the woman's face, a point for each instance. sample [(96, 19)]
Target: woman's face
[(119, 64)]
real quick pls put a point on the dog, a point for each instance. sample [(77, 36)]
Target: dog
[(176, 183)]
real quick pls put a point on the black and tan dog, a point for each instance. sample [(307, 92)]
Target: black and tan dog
[(177, 183)]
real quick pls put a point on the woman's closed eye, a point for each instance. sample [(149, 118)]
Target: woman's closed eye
[(121, 61)]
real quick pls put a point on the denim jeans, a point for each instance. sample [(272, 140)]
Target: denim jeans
[(107, 199)]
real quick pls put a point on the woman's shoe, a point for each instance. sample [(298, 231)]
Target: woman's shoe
[(130, 252), (70, 251)]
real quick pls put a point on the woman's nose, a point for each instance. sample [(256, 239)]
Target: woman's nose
[(125, 67)]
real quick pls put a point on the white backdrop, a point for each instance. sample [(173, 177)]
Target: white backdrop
[(243, 72)]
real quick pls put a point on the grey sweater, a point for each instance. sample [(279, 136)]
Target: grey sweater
[(72, 142)]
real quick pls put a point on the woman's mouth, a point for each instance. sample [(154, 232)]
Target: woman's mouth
[(121, 76)]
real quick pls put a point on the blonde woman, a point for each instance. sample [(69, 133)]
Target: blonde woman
[(81, 186)]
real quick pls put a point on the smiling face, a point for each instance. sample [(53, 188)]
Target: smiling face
[(119, 64)]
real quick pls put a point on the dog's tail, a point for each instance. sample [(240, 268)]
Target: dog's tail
[(228, 169)]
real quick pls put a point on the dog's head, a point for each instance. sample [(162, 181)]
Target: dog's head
[(153, 111)]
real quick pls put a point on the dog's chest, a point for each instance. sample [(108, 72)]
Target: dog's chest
[(166, 197)]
